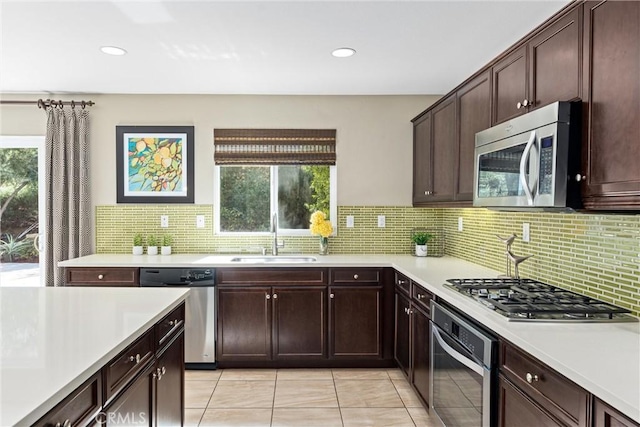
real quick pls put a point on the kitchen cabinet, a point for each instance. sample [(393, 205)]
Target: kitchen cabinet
[(605, 416), (611, 139), (422, 159), (527, 386), (135, 405), (169, 392), (102, 276), (403, 333), (545, 69)]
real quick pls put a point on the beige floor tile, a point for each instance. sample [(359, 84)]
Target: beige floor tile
[(192, 416), (198, 393), (367, 394), (305, 394), (202, 375), (422, 418), (248, 375), (307, 417), (243, 394), (305, 374), (376, 417), (396, 374), (408, 396), (360, 374), (236, 418)]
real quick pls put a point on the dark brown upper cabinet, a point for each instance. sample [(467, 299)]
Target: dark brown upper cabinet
[(422, 159), (611, 139), (541, 71)]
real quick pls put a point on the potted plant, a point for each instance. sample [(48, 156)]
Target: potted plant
[(167, 239), (152, 245), (421, 238), (137, 244)]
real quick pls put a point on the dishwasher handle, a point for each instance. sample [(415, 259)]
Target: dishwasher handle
[(187, 283), (474, 366)]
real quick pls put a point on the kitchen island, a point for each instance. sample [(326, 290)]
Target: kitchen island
[(602, 358), (55, 339)]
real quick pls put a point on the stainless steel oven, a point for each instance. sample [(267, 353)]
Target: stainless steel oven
[(463, 370)]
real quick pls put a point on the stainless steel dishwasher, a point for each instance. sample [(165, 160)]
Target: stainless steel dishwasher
[(200, 321)]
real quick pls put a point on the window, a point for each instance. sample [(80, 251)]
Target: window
[(262, 172)]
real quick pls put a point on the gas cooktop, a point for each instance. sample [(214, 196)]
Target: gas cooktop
[(530, 300)]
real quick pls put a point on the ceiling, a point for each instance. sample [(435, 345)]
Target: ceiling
[(256, 47)]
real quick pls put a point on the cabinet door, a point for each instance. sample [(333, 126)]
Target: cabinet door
[(299, 322), (170, 385), (605, 416), (355, 316), (444, 165), (135, 405), (422, 184), (421, 361), (612, 91), (244, 323), (402, 333), (509, 77), (515, 409), (474, 115), (555, 62)]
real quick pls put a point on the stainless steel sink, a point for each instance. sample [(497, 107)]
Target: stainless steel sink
[(273, 259)]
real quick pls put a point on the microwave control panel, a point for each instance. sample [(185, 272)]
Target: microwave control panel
[(546, 165)]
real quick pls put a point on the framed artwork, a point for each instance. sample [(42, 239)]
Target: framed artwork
[(154, 164)]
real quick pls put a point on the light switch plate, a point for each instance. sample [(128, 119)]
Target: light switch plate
[(525, 232), (199, 221), (382, 221), (460, 224), (350, 221), (164, 221)]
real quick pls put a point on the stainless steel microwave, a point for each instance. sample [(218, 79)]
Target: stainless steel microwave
[(532, 161)]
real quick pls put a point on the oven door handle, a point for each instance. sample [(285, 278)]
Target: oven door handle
[(457, 355), (523, 164)]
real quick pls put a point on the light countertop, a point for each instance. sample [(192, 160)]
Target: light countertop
[(54, 339), (603, 358)]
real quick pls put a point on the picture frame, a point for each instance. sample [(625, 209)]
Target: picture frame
[(154, 164)]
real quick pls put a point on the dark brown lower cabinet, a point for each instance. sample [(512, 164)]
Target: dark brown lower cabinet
[(518, 410), (421, 360), (135, 405), (355, 321), (403, 333), (605, 416), (169, 395)]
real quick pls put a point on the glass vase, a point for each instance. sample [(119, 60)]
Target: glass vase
[(324, 246)]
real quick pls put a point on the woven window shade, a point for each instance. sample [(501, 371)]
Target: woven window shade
[(274, 146)]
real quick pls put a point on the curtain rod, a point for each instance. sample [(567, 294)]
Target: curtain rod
[(45, 103)]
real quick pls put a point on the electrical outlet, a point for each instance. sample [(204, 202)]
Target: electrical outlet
[(382, 221), (350, 221), (525, 232), (199, 221), (460, 224), (164, 221)]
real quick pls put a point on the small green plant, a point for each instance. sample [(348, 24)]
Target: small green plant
[(167, 240), (138, 240), (421, 237), (152, 240), (11, 247)]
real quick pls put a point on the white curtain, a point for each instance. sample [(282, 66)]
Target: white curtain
[(68, 216)]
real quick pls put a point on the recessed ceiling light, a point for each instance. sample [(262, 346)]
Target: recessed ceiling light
[(113, 50), (343, 52)]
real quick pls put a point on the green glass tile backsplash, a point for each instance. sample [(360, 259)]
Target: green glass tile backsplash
[(594, 254)]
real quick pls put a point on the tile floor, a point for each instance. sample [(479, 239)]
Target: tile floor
[(302, 398)]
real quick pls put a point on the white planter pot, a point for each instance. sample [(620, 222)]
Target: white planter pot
[(421, 250), (165, 250), (138, 250), (152, 250)]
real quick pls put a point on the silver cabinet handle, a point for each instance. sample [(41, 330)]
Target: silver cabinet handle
[(268, 296), (580, 177), (158, 373), (331, 296), (420, 296), (355, 277), (173, 322), (519, 105), (402, 282), (135, 358), (100, 276), (428, 193), (275, 296), (163, 370), (531, 378), (525, 103), (66, 423)]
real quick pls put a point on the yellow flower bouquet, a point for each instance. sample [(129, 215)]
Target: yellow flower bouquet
[(322, 227)]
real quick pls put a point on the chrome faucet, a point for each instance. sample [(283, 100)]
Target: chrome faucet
[(274, 229)]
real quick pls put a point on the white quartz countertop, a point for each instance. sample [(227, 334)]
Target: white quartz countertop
[(54, 339), (603, 358)]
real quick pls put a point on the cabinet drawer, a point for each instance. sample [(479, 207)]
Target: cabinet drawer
[(122, 368), (560, 396), (169, 326), (403, 283), (79, 408), (94, 276), (355, 275), (261, 276), (422, 298)]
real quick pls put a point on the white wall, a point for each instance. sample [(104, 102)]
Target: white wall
[(374, 135)]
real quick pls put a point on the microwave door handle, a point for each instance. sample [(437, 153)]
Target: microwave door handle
[(523, 164)]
